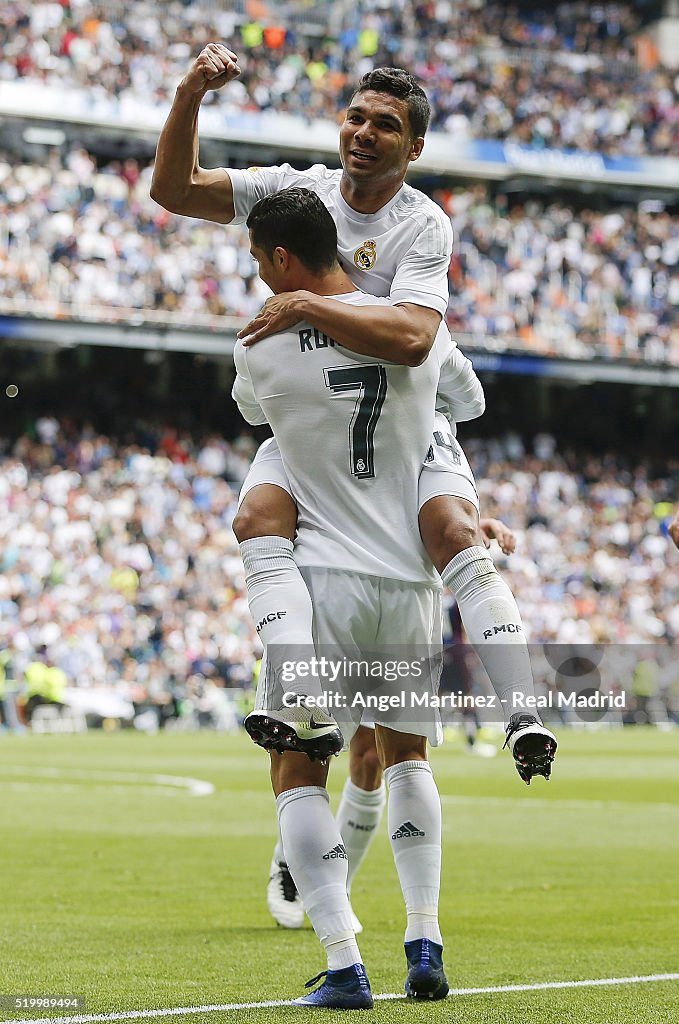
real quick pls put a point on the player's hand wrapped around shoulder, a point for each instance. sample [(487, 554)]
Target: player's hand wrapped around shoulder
[(277, 314)]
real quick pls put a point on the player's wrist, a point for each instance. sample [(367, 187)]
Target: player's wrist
[(190, 90), (302, 303)]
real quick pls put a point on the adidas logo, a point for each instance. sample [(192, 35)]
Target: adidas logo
[(337, 853), (407, 831)]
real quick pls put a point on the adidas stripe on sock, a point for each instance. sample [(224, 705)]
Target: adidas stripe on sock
[(414, 818), (317, 862)]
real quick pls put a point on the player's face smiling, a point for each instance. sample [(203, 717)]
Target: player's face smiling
[(376, 143)]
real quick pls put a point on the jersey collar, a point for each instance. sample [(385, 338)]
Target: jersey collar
[(367, 217)]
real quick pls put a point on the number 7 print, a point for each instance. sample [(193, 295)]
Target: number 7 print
[(371, 383)]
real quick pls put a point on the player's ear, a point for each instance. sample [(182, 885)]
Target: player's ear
[(416, 148), (281, 258)]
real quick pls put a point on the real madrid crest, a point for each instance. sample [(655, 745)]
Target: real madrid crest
[(365, 255)]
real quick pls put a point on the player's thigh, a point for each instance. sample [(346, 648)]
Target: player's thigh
[(446, 469), (266, 507)]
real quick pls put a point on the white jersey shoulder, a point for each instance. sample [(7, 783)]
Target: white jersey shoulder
[(251, 185)]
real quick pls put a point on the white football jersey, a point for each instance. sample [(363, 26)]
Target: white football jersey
[(353, 433), (402, 251)]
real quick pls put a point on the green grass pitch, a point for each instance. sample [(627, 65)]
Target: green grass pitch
[(136, 895)]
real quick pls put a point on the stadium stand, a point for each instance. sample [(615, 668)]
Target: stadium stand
[(82, 240), (117, 552), (568, 76)]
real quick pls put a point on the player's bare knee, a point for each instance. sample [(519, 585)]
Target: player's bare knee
[(266, 511), (457, 537), (245, 526), (448, 526)]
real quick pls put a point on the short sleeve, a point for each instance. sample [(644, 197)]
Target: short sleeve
[(422, 275), (251, 185), (243, 392), (459, 393)]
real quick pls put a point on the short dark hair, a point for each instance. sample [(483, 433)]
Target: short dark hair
[(297, 220), (400, 83)]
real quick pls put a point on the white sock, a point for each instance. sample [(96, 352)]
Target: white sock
[(358, 818), (279, 853), (414, 818), (317, 862), (280, 605), (493, 624)]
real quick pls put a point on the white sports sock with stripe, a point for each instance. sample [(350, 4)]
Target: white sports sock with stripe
[(317, 862), (493, 624), (414, 819)]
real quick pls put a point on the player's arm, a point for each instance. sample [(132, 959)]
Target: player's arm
[(243, 392), (460, 392), (673, 529), (402, 333), (179, 183)]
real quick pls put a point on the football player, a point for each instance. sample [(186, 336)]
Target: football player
[(352, 434)]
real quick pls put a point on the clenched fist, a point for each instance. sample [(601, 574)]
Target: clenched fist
[(213, 67)]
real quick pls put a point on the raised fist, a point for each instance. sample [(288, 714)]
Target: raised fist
[(213, 67)]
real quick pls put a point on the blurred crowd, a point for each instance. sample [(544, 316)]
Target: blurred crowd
[(78, 240), (119, 566), (82, 240), (119, 571), (570, 75), (548, 278)]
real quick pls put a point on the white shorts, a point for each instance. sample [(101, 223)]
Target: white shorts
[(266, 468), (444, 471), (393, 629)]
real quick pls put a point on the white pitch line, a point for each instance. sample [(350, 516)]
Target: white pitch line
[(181, 1011), (195, 787)]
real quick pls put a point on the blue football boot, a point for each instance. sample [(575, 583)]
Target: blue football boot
[(426, 977), (347, 989)]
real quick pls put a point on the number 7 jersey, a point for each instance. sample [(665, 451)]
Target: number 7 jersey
[(353, 433)]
